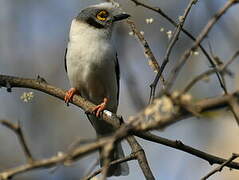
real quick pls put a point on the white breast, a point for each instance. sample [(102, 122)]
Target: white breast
[(91, 63)]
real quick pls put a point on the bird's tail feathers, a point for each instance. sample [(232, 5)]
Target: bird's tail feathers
[(121, 169), (103, 129)]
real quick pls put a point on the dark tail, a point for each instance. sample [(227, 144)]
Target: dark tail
[(121, 169), (103, 129)]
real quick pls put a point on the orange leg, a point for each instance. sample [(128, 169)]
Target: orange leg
[(69, 95), (100, 108)]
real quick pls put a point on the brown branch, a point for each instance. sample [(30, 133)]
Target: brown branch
[(219, 168), (233, 103), (56, 92), (199, 39), (201, 106), (54, 160), (88, 148), (141, 157), (170, 47), (107, 150), (18, 131), (118, 161), (211, 159), (147, 50), (160, 11), (208, 73)]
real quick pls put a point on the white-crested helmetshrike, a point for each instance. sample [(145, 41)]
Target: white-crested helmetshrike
[(93, 70)]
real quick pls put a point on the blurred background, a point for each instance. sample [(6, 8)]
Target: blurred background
[(33, 38)]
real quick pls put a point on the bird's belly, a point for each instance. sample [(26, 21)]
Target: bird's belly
[(92, 86), (95, 81), (91, 69)]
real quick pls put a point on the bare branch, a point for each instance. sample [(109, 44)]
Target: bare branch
[(107, 150), (18, 131), (77, 100), (141, 157), (170, 47), (160, 11), (234, 107), (208, 73), (183, 147), (219, 168), (199, 39), (126, 129), (55, 160), (147, 51), (201, 106), (118, 161)]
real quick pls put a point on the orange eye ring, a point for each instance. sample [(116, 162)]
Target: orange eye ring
[(102, 15)]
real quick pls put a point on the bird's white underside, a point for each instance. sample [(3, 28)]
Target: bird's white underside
[(91, 64)]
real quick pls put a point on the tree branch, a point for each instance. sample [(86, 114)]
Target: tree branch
[(208, 73), (160, 11), (131, 128), (219, 168), (199, 39), (170, 47), (185, 148), (18, 131), (147, 50), (118, 161)]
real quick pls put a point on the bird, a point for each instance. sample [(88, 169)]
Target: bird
[(93, 70)]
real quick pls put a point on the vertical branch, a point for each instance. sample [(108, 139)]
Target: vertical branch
[(107, 150), (141, 157), (170, 47)]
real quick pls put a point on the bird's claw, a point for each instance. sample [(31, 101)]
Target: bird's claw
[(100, 108), (69, 95)]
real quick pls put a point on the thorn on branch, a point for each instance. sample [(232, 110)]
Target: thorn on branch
[(41, 79), (8, 86), (179, 143)]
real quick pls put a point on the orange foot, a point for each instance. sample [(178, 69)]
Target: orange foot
[(100, 108), (69, 95)]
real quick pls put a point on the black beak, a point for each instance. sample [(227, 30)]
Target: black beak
[(120, 17)]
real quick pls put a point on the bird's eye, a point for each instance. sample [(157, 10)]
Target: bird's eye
[(102, 15)]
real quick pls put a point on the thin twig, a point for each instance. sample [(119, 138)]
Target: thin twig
[(147, 50), (170, 47), (91, 169), (219, 168), (107, 151), (234, 107), (18, 131), (141, 157), (211, 159), (209, 72), (160, 11), (199, 39), (55, 160), (118, 161)]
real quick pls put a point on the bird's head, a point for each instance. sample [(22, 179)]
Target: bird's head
[(101, 16)]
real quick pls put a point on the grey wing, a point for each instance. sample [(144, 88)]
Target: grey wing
[(65, 60), (117, 71)]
